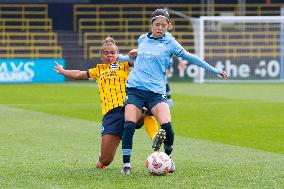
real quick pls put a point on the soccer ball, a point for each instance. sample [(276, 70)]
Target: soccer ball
[(158, 163)]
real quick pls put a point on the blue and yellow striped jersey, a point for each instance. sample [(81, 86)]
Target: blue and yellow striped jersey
[(111, 80)]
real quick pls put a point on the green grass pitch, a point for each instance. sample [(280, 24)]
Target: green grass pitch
[(227, 136)]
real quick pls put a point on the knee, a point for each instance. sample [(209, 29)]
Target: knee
[(132, 113), (164, 120)]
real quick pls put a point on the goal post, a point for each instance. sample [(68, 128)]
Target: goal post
[(282, 47), (249, 48)]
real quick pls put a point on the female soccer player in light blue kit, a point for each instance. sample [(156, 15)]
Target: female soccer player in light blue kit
[(146, 86)]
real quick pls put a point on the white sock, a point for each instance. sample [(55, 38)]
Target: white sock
[(127, 165)]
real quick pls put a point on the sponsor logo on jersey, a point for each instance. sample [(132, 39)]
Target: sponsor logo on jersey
[(161, 45), (114, 66)]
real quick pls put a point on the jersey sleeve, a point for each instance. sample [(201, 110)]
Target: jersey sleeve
[(93, 73), (124, 58), (199, 62), (179, 51)]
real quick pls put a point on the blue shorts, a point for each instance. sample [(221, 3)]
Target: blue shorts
[(142, 98), (113, 122)]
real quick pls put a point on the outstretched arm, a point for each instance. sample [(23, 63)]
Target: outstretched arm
[(179, 51), (73, 74), (124, 58), (199, 62)]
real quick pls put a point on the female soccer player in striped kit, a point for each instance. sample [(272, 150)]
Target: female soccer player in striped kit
[(146, 85), (111, 77)]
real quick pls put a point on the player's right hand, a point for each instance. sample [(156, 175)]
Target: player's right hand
[(132, 54), (58, 68)]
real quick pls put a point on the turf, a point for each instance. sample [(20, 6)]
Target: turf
[(248, 115), (227, 136)]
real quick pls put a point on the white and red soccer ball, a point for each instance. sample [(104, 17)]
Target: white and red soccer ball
[(158, 163)]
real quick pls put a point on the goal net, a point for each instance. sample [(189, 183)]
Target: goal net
[(247, 47)]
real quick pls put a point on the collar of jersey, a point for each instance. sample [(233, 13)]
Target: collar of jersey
[(149, 36)]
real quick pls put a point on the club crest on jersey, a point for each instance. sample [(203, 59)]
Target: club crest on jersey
[(114, 66), (161, 45), (164, 96)]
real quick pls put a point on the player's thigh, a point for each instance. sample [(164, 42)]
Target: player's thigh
[(161, 112), (132, 113)]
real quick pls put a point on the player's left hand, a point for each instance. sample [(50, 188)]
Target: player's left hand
[(223, 74)]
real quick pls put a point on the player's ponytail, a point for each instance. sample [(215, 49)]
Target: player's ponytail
[(109, 40)]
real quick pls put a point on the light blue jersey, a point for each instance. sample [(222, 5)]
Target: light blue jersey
[(153, 59), (124, 58)]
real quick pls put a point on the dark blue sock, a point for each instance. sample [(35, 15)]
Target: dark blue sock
[(168, 143), (127, 138)]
